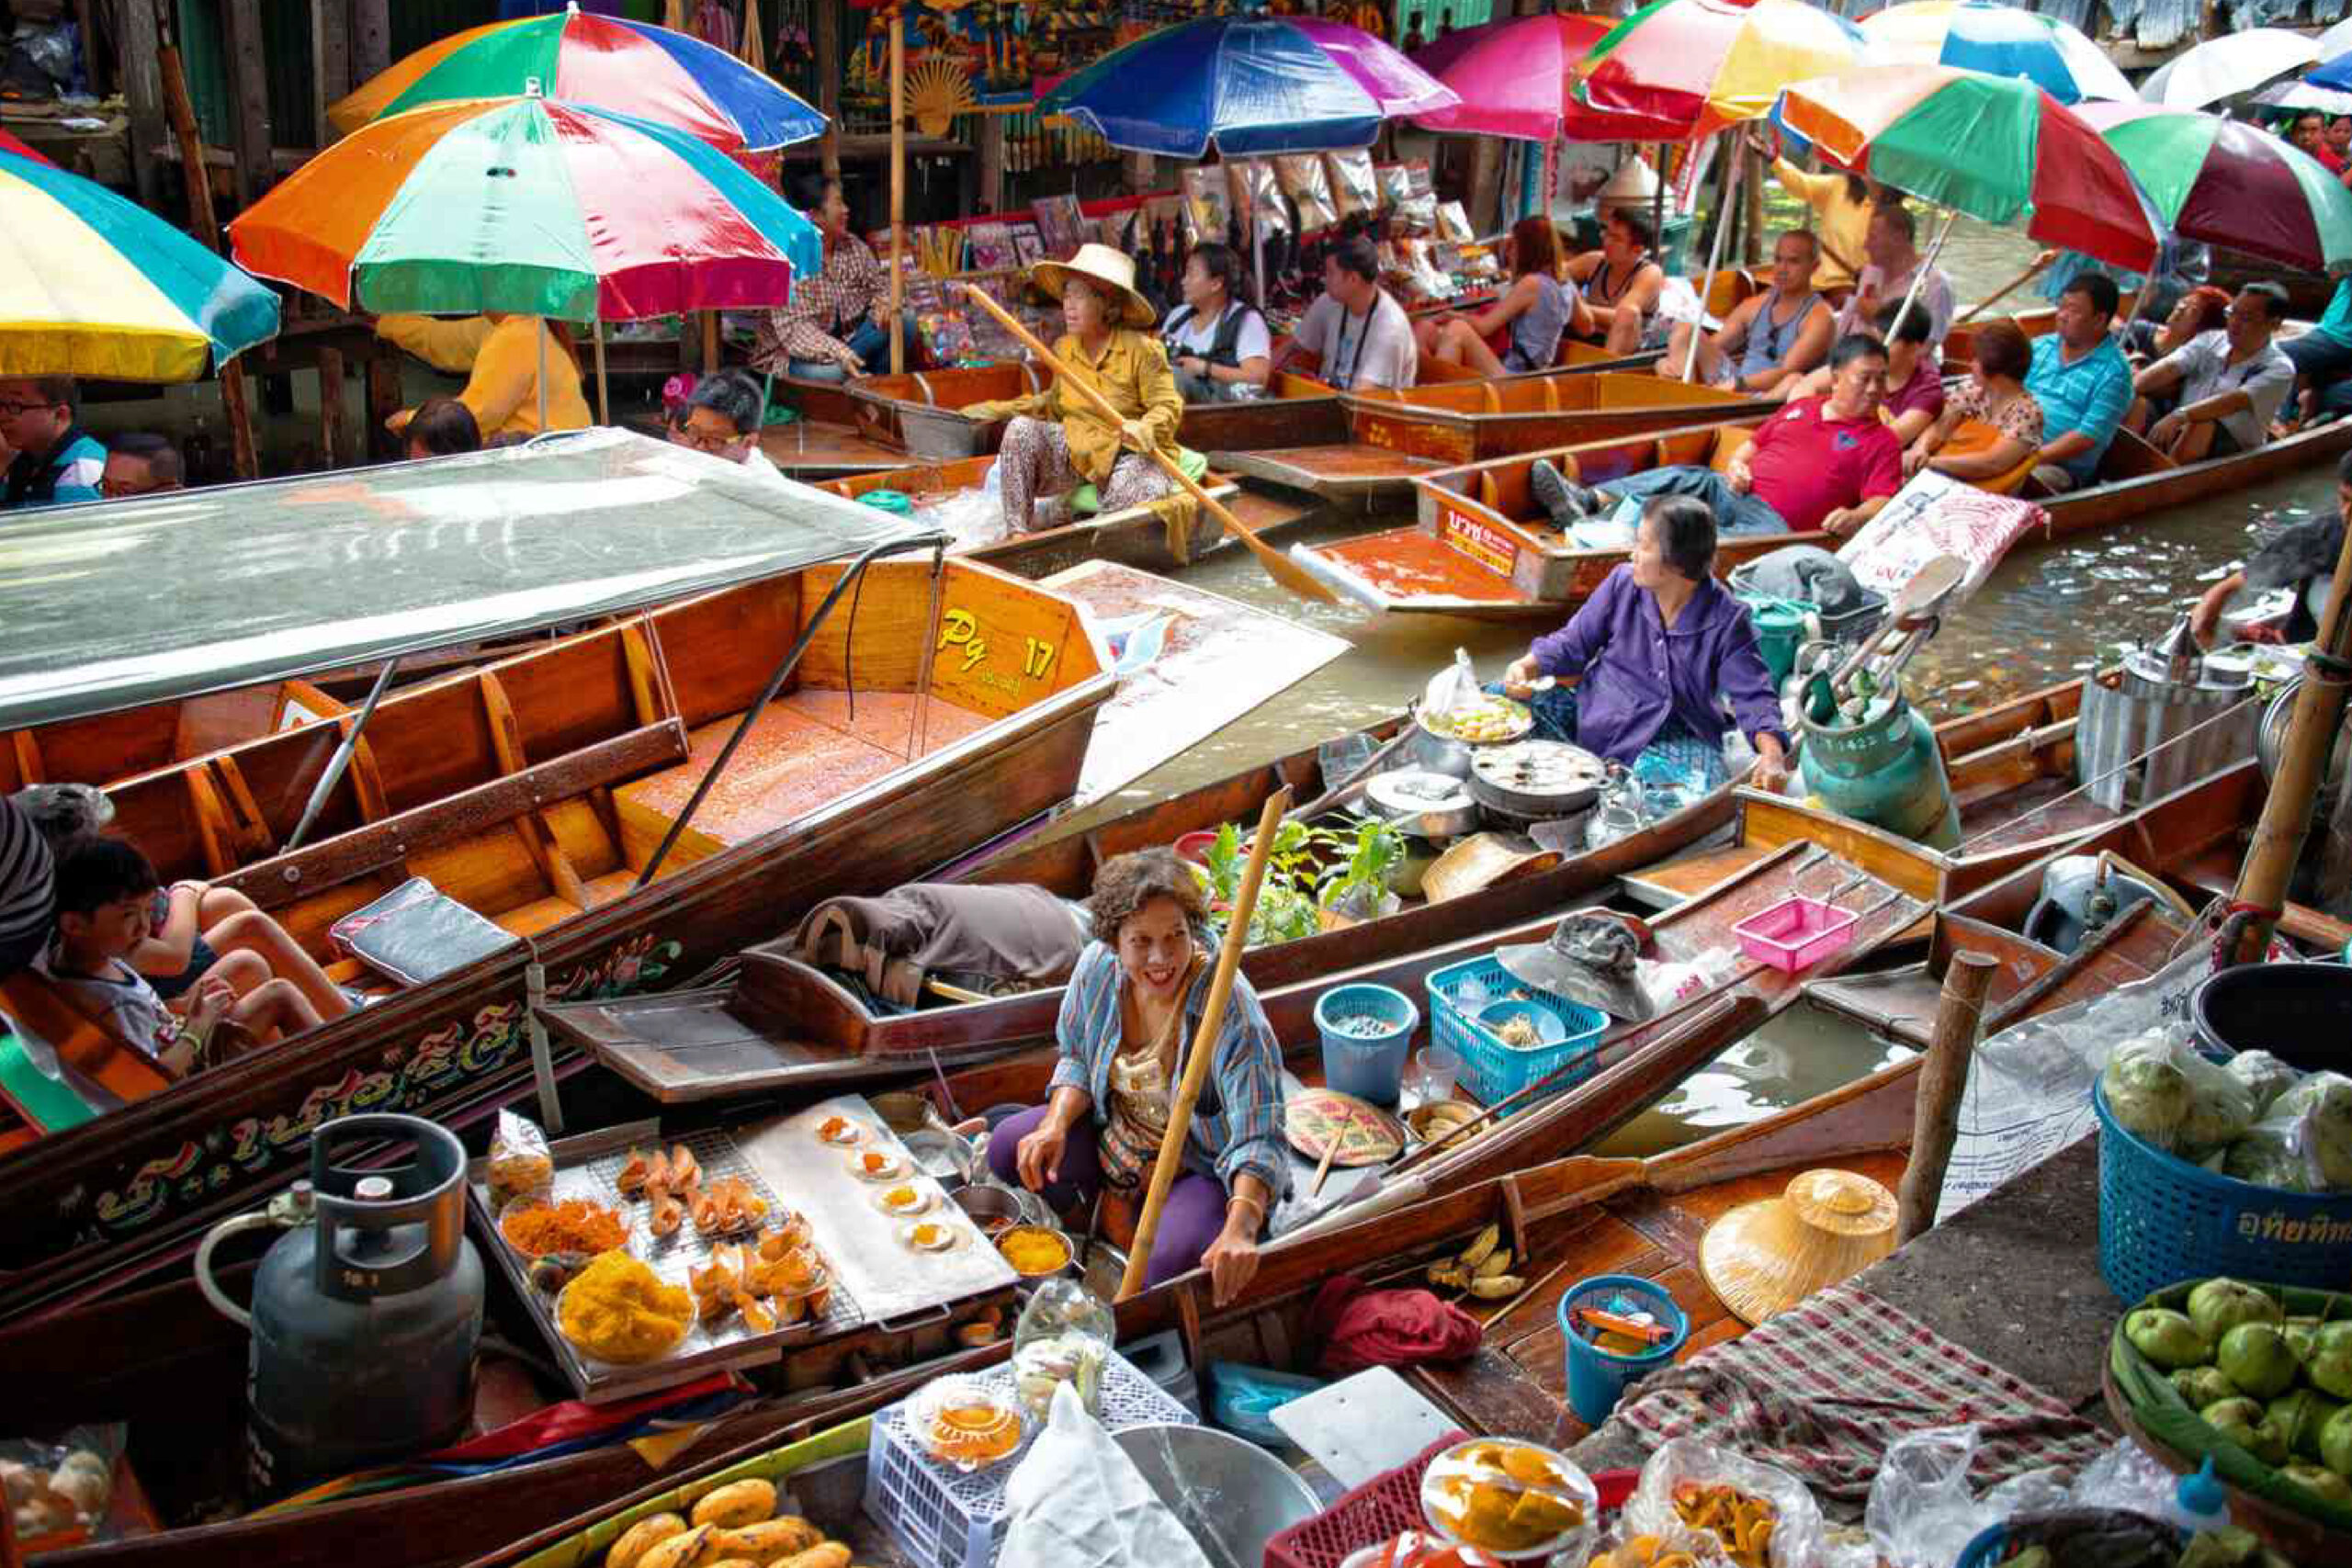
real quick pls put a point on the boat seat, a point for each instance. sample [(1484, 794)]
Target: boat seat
[(96, 1053), (1730, 440), (1975, 435), (1730, 290), (539, 915)]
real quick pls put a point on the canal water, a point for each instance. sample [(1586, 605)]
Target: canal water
[(2042, 618)]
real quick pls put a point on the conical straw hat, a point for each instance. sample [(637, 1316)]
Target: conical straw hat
[(1110, 270), (1828, 1227)]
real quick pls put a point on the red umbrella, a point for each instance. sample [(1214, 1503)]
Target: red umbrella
[(1518, 77), (10, 144)]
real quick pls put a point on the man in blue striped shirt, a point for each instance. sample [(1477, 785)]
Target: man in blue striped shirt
[(2082, 381)]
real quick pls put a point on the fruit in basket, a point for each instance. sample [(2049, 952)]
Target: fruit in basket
[(2235, 1411), (2256, 1357), (2145, 1089), (2324, 1102), (2329, 1486), (2201, 1386), (2301, 1413), (2257, 1437), (641, 1537), (737, 1504), (832, 1554), (2328, 1363), (2264, 1075), (692, 1548), (2167, 1339), (2221, 1305), (770, 1540)]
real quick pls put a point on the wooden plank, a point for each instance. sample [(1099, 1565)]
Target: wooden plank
[(1688, 876), (371, 39), (330, 66), (828, 84), (332, 446), (142, 89), (248, 95)]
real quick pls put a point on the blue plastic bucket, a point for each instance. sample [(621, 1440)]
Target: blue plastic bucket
[(1368, 1066), (1596, 1377)]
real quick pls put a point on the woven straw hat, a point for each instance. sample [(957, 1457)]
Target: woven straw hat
[(1828, 1227), (1107, 269)]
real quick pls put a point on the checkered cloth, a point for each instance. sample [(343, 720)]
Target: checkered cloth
[(1823, 1389)]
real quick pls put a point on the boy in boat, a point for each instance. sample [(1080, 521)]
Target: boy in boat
[(2230, 383), (442, 427), (106, 894), (1363, 334), (1827, 462), (1770, 341), (1218, 344), (722, 418), (57, 462)]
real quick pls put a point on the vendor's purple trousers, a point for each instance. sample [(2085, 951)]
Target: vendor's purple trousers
[(1188, 1222)]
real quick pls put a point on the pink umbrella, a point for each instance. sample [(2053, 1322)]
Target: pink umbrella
[(1518, 77)]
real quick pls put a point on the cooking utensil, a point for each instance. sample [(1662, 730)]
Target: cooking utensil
[(1533, 781), (1918, 600), (1423, 802)]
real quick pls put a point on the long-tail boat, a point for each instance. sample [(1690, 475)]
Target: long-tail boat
[(1482, 547), (889, 714), (174, 1348), (1394, 437)]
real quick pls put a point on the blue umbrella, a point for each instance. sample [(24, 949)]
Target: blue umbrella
[(1247, 84)]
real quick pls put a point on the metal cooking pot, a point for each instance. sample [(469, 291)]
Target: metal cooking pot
[(2063, 915), (1423, 802), (2270, 745), (1231, 1495), (1535, 780)]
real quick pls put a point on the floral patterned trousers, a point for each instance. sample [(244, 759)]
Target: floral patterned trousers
[(1035, 478)]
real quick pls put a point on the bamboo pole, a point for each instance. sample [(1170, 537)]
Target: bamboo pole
[(1726, 202), (181, 113), (1279, 566), (1196, 1065), (603, 395), (898, 188), (2011, 287), (2261, 894), (1943, 1074)]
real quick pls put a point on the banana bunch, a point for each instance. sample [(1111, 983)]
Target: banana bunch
[(1482, 1270)]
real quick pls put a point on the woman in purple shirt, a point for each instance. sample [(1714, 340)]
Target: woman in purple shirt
[(1656, 646)]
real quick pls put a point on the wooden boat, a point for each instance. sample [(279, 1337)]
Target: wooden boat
[(1394, 438), (1134, 535), (535, 793), (178, 1346), (1482, 547)]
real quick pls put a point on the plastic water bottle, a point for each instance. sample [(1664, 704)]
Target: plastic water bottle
[(2200, 1502)]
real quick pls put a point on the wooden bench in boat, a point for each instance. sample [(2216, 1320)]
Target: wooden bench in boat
[(107, 747)]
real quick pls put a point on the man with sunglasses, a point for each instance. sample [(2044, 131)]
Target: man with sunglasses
[(56, 461)]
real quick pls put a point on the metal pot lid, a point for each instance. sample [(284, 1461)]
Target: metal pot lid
[(1590, 957), (1537, 778), (1411, 792)]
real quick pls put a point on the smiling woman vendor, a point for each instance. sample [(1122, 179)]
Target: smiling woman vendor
[(1133, 1002), (1655, 646)]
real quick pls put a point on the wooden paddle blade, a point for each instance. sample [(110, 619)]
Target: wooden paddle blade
[(1279, 567)]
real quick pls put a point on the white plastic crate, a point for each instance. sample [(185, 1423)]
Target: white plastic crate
[(941, 1517)]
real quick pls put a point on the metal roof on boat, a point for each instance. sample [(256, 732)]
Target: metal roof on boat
[(117, 604)]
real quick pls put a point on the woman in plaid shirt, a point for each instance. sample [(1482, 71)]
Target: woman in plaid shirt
[(838, 322), (1133, 1002)]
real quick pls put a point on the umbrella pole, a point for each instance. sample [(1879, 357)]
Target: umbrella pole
[(604, 397), (181, 110), (544, 330), (898, 188), (1714, 257), (1919, 273)]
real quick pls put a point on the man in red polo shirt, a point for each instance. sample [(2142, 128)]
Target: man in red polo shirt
[(1826, 462)]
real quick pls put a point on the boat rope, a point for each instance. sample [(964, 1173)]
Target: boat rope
[(2007, 824)]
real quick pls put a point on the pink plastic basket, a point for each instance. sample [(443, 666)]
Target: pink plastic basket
[(1795, 932)]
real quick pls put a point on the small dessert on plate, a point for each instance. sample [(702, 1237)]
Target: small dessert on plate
[(876, 1165), (929, 1235), (904, 1199), (842, 1131)]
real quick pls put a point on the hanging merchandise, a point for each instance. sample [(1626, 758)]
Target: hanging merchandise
[(1304, 179), (1355, 190), (1208, 204), (715, 25)]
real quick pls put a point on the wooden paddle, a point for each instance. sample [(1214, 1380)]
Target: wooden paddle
[(1279, 567), (1196, 1065), (2019, 281)]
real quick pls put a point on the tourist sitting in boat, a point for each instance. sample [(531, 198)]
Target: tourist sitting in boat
[(2082, 381), (1217, 343), (141, 463), (2299, 558), (105, 890), (1133, 1004), (1362, 336), (1056, 443), (2230, 384), (1915, 374), (1994, 397), (1826, 462), (1620, 283), (56, 461), (1658, 645), (2322, 357), (442, 427), (1522, 331), (1894, 266), (1769, 340), (723, 417), (28, 901), (503, 358), (1842, 204), (2203, 308), (838, 322)]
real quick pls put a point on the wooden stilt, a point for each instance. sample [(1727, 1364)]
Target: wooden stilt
[(897, 24), (383, 401), (181, 111), (331, 444), (1943, 1075)]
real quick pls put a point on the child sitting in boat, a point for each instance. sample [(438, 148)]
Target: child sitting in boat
[(105, 892)]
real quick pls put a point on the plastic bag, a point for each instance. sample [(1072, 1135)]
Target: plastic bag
[(1304, 179), (1453, 223), (1208, 205), (2283, 1151), (2265, 1076), (1796, 1518), (1078, 1501), (1452, 687), (1257, 199), (519, 1160), (1395, 184), (2159, 1087), (968, 517), (2321, 1104), (1065, 1335), (1355, 190), (62, 1492), (1921, 1512)]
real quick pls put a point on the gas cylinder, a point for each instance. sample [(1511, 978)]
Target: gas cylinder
[(1884, 771), (366, 1320)]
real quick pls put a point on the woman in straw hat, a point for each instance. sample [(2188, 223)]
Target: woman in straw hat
[(1056, 443)]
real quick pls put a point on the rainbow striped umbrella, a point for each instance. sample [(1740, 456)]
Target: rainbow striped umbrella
[(1997, 148), (607, 62), (528, 207), (2218, 179), (93, 284), (2000, 41), (1705, 64)]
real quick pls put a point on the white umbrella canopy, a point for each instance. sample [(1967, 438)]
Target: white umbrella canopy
[(2304, 95), (2224, 67)]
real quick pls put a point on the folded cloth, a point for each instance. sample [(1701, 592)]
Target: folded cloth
[(1018, 935), (1361, 1328)]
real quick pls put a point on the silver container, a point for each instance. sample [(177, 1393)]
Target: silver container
[(2270, 745), (2160, 723), (1230, 1495), (1423, 803), (1536, 781)]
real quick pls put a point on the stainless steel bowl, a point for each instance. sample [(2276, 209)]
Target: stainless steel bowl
[(988, 1203), (1230, 1495), (1423, 802)]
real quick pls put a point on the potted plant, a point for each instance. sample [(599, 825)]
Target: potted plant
[(1359, 890), (1285, 910)]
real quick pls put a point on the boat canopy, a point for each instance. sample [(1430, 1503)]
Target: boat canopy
[(117, 603)]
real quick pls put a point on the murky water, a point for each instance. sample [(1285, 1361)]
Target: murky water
[(2040, 619)]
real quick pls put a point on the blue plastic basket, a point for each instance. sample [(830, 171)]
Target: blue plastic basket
[(1990, 1546), (1490, 1069), (1596, 1377), (2163, 1220), (1370, 1067)]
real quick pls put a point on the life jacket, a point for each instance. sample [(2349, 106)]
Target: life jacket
[(1229, 332)]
